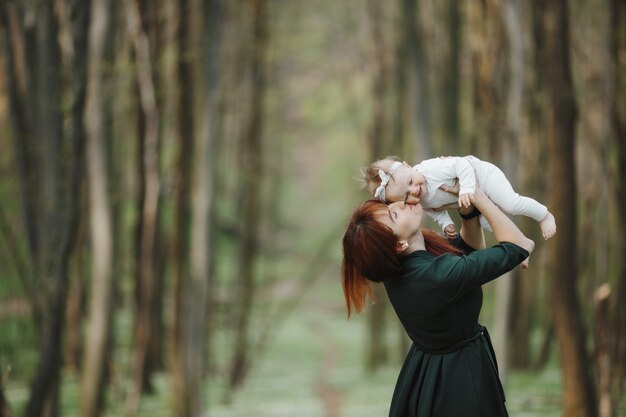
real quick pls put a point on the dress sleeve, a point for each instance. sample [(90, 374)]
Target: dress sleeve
[(458, 275)]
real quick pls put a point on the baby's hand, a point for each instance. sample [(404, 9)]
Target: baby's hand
[(465, 200), (450, 231)]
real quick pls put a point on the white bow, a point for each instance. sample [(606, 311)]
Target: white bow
[(384, 180)]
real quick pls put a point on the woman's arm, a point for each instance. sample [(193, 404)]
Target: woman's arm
[(503, 228), (471, 231)]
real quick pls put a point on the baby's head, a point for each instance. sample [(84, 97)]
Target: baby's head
[(391, 180)]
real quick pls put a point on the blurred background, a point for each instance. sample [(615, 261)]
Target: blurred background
[(176, 177)]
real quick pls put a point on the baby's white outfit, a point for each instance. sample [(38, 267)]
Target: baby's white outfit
[(471, 171)]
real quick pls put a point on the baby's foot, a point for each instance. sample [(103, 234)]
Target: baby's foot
[(548, 226)]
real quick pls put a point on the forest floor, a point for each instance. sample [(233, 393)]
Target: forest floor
[(313, 367)]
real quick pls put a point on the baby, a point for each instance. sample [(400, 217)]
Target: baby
[(391, 180)]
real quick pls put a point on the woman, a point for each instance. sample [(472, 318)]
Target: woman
[(435, 290)]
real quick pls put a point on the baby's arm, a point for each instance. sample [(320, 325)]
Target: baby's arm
[(467, 179), (443, 219)]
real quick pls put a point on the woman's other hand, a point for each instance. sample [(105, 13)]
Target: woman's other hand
[(454, 189)]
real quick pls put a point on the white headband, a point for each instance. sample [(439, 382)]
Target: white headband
[(384, 180)]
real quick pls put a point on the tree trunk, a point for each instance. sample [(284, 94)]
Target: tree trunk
[(617, 50), (578, 392), (416, 97), (452, 81), (378, 147), (531, 153), (146, 274), (377, 134), (486, 47), (510, 14), (252, 174), (21, 91), (5, 407), (602, 350), (101, 225), (195, 291), (58, 204), (502, 314), (79, 12), (520, 319), (181, 406), (152, 16)]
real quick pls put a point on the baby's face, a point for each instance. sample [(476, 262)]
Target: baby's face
[(406, 185)]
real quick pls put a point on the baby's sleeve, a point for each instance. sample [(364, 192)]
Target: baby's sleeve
[(441, 217), (466, 175)]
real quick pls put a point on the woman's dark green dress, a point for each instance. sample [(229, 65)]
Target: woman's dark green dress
[(451, 368)]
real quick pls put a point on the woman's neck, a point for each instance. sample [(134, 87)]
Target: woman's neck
[(416, 243)]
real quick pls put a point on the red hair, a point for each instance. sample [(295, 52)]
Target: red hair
[(369, 253)]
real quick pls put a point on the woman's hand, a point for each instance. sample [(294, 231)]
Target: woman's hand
[(454, 189)]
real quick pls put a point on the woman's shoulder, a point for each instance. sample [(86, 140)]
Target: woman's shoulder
[(427, 265)]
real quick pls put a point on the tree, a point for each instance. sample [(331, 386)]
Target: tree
[(181, 403), (379, 144), (486, 45), (195, 291), (101, 224), (510, 14), (452, 80), (50, 167), (617, 49), (150, 188), (578, 392), (252, 173), (412, 89)]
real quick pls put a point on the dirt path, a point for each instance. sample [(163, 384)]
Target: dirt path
[(14, 307), (330, 396)]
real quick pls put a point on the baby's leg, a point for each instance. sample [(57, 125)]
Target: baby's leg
[(499, 190), (548, 226)]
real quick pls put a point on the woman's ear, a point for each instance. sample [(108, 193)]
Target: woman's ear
[(401, 246)]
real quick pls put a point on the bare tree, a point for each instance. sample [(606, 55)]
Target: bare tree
[(617, 49), (486, 45), (510, 13), (578, 390), (186, 127), (101, 225), (194, 293), (148, 155), (378, 146), (413, 88), (49, 168), (452, 80), (19, 66), (252, 174), (602, 351)]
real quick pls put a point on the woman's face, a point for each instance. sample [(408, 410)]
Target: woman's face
[(403, 219)]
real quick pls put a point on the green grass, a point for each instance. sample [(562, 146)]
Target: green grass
[(316, 343), (285, 381)]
